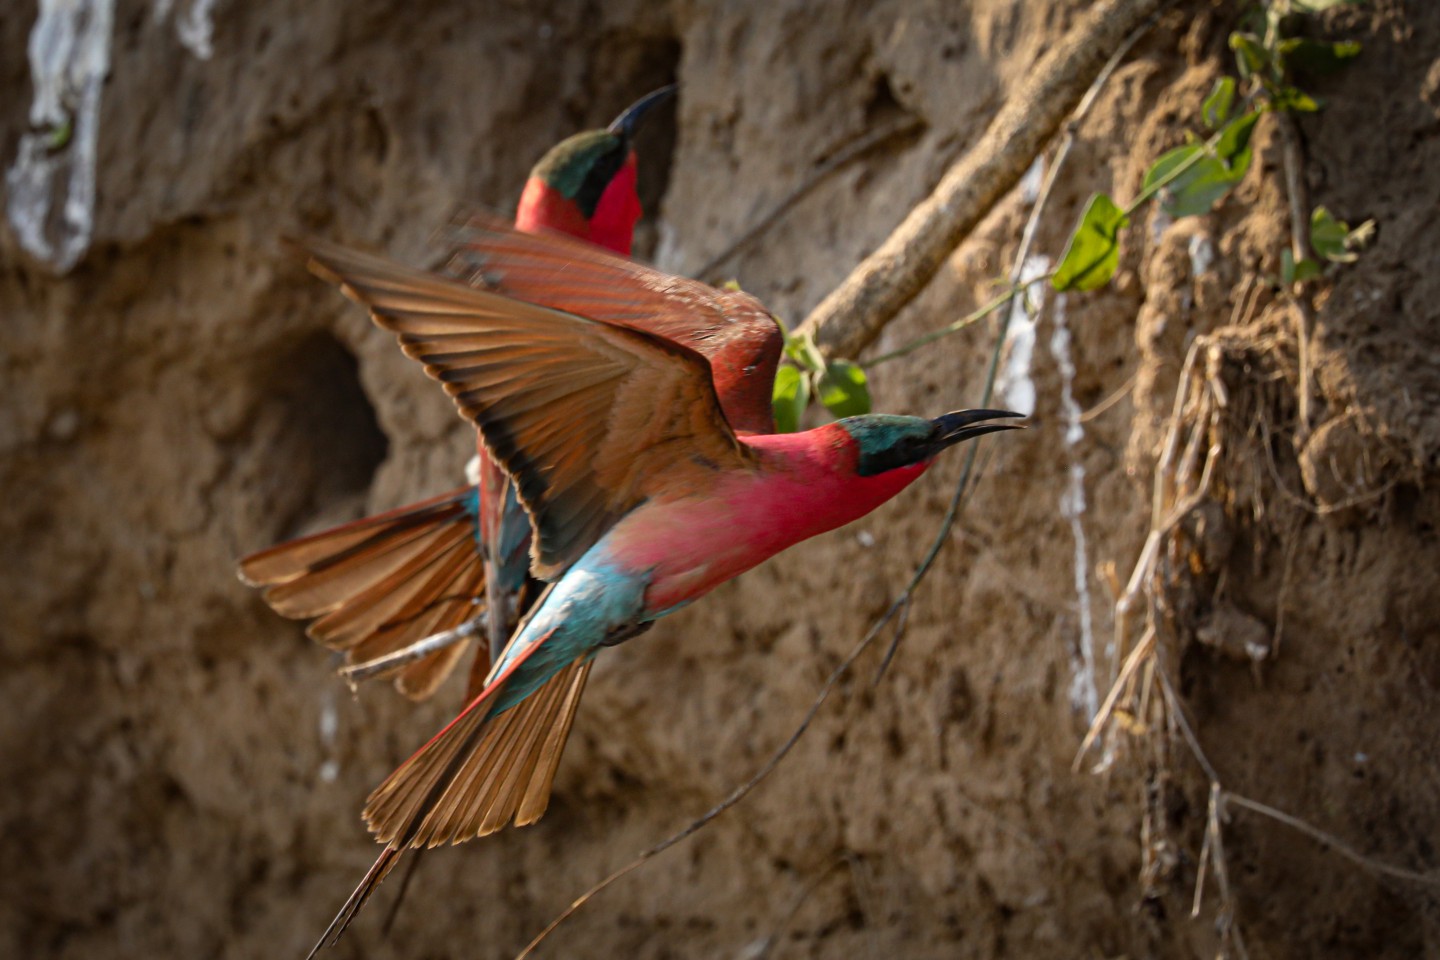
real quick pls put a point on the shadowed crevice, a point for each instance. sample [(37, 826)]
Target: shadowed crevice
[(317, 429)]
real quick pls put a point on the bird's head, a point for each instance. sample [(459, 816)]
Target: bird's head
[(887, 442), (585, 184)]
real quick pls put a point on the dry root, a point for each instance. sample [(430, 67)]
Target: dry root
[(1239, 388)]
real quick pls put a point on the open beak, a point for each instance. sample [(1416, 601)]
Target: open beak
[(626, 123), (952, 428)]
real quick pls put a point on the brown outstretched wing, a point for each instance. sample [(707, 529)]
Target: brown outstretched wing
[(730, 329), (379, 585), (590, 418)]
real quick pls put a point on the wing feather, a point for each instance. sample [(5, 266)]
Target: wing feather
[(380, 585), (731, 329), (589, 418)]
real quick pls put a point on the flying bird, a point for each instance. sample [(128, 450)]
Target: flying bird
[(624, 445), (395, 591)]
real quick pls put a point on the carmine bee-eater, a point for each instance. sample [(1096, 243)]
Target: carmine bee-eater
[(641, 492), (381, 585)]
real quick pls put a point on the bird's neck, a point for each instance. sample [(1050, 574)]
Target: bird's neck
[(810, 483), (612, 225), (805, 484)]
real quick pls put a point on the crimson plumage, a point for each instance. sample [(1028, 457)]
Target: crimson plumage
[(641, 493)]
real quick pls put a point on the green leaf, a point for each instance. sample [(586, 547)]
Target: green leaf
[(1334, 240), (1093, 252), (1235, 138), (58, 137), (789, 398), (1216, 108), (1327, 236), (800, 348), (843, 390), (1315, 57), (1251, 57), (1316, 6), (1292, 272), (1196, 188), (1162, 169), (1294, 100)]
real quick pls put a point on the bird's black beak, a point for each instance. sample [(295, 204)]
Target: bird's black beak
[(952, 428), (626, 124)]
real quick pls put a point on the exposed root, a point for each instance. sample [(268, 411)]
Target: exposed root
[(1105, 405), (1218, 451), (1182, 481)]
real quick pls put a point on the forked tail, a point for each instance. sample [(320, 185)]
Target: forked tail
[(474, 777)]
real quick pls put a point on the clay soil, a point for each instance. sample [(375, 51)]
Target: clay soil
[(182, 771)]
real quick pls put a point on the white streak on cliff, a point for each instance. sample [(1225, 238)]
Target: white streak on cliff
[(51, 184), (329, 725), (1032, 181), (1013, 384), (1084, 693), (194, 25)]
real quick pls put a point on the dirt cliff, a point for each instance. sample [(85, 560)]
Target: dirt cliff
[(183, 771)]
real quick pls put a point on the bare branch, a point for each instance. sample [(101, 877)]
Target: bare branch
[(1332, 841), (853, 314)]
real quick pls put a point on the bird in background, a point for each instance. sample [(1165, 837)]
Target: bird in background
[(383, 587), (643, 495)]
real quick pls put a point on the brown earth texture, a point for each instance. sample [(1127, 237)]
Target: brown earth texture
[(183, 771)]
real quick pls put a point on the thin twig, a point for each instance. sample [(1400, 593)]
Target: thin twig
[(1160, 494), (1297, 195), (1330, 840), (971, 318), (902, 127), (1198, 900), (1323, 509), (1110, 401), (901, 622), (762, 948), (1172, 704), (1143, 649), (1304, 323), (1225, 921)]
